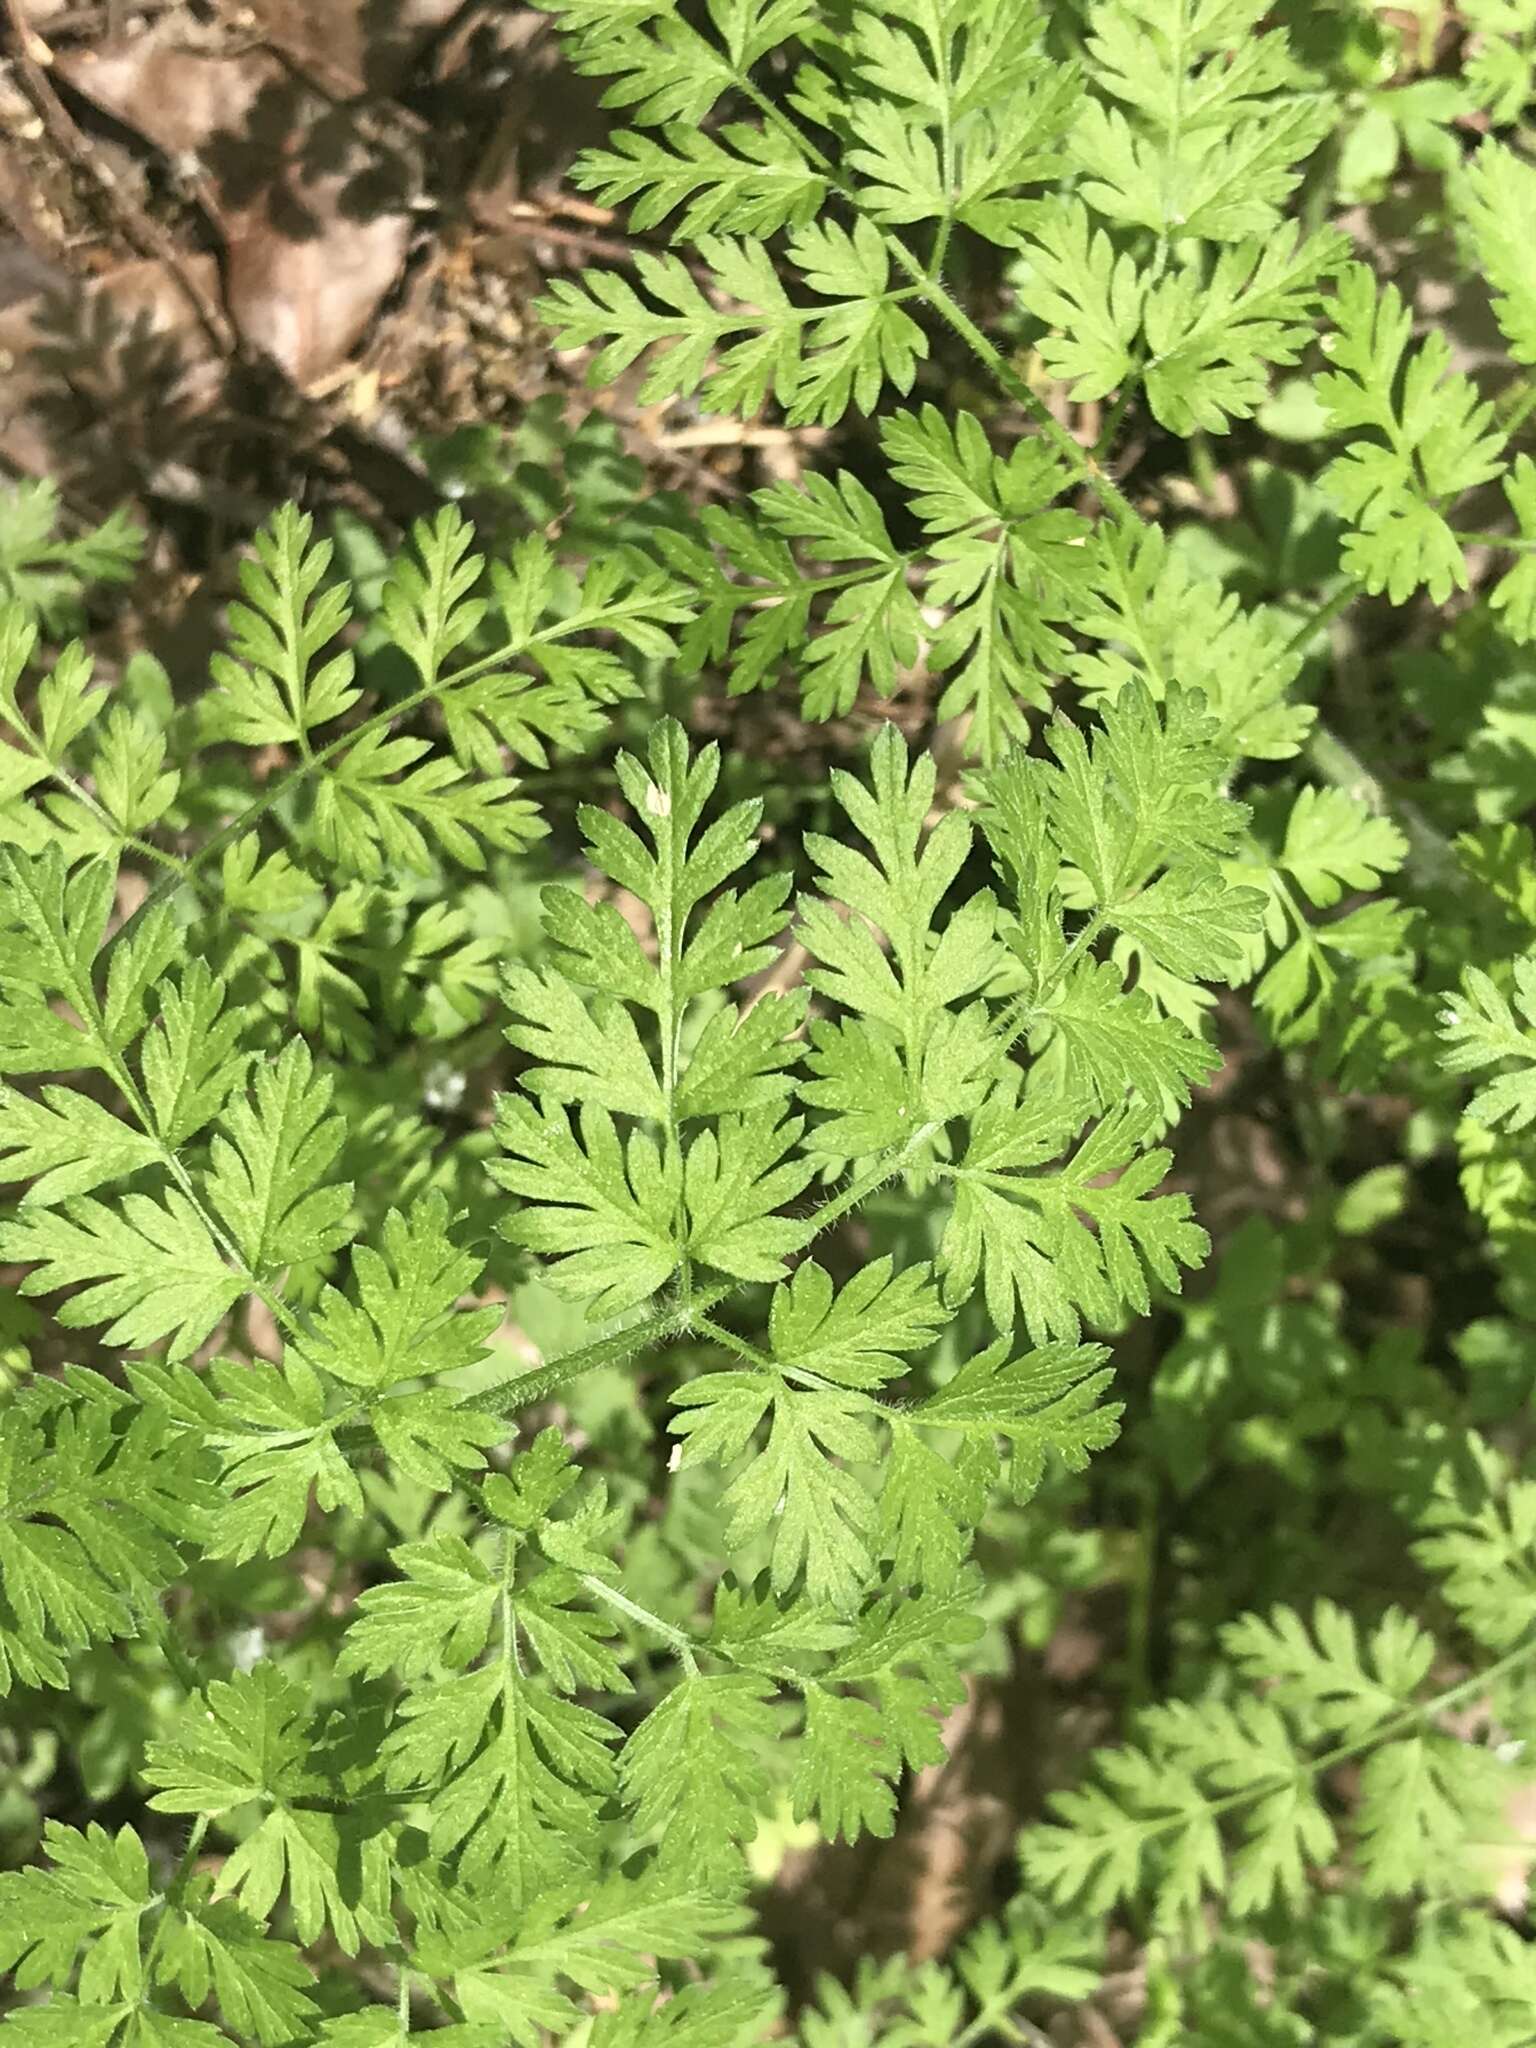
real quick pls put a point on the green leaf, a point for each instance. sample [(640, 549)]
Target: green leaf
[(839, 1776), (270, 690), (1212, 340), (45, 574), (1333, 843), (1436, 440), (253, 1740), (1495, 195), (979, 78), (1115, 1042), (739, 180), (386, 797), (147, 1270), (816, 360), (1482, 1030), (696, 1767), (865, 341), (1067, 1244), (90, 1511), (1193, 922), (188, 1056), (1513, 597), (133, 784), (439, 1613), (603, 1209), (271, 1148), (1045, 1402), (818, 1513), (871, 627), (1325, 1676), (734, 1179), (1216, 131), (855, 1335), (405, 1321), (1089, 298), (69, 1142), (270, 1431), (94, 1897), (212, 1947), (1008, 567), (900, 991), (426, 603), (622, 1211), (1423, 1801)]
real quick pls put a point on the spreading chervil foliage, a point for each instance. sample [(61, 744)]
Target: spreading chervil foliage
[(584, 1285)]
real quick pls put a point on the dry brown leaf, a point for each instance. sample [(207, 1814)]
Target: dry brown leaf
[(361, 46), (178, 99), (307, 304), (313, 227)]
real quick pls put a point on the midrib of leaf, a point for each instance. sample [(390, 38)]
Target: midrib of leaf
[(671, 921), (934, 23), (511, 1709), (1175, 132), (295, 673)]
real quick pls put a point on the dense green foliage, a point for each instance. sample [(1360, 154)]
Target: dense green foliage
[(570, 1279)]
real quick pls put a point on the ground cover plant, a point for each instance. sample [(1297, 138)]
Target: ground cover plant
[(619, 1130)]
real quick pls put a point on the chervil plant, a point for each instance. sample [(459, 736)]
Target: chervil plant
[(422, 1687)]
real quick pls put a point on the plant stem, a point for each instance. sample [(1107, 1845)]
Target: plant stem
[(539, 1382), (1385, 1731), (643, 1617), (1523, 408), (172, 1893), (1520, 543)]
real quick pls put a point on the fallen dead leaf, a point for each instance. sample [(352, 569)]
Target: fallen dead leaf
[(312, 217), (360, 45)]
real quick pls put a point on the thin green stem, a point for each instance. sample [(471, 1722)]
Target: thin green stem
[(1519, 543), (860, 1190), (1385, 1731), (946, 147), (729, 1341), (523, 1389), (172, 1894), (1111, 426), (1139, 1606), (1522, 409), (1322, 614), (73, 787), (643, 1618), (183, 1669)]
